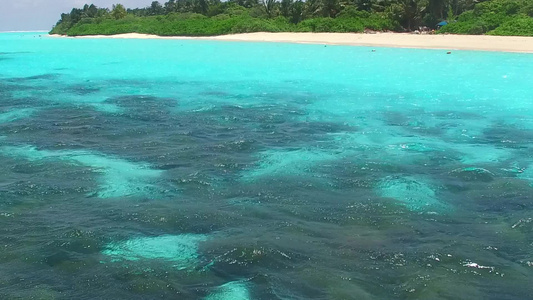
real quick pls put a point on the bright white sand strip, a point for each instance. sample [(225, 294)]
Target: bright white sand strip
[(387, 39)]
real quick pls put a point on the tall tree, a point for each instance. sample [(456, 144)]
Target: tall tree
[(92, 11), (330, 8), (118, 11), (364, 5), (246, 3), (312, 8), (297, 12), (76, 15), (409, 12), (170, 6), (156, 9), (201, 6), (285, 7), (269, 7), (437, 9)]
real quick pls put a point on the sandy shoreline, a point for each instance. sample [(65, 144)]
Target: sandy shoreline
[(401, 40)]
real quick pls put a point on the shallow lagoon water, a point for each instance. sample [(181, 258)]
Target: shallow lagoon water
[(119, 178), (143, 169), (181, 250)]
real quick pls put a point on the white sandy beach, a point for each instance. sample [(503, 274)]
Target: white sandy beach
[(401, 40)]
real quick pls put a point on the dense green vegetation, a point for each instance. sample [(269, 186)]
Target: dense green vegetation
[(213, 17), (496, 17)]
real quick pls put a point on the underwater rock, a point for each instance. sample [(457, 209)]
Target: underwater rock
[(118, 177), (413, 193), (63, 96), (234, 290), (180, 250), (473, 174), (475, 154), (388, 146)]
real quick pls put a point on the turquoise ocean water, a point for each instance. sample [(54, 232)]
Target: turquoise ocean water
[(144, 169)]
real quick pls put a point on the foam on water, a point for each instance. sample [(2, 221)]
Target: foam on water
[(118, 177), (233, 290), (179, 250), (414, 193)]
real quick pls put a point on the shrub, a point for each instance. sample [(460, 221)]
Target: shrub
[(501, 17), (520, 26)]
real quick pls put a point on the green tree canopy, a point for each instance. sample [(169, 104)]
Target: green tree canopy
[(207, 17), (118, 11)]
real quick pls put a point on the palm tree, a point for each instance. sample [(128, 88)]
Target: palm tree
[(269, 6), (312, 8), (410, 12), (118, 11), (330, 8)]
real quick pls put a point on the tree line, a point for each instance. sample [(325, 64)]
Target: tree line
[(235, 16)]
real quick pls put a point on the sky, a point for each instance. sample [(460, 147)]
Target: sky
[(23, 15)]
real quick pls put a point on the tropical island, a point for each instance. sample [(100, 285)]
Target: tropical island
[(214, 17)]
